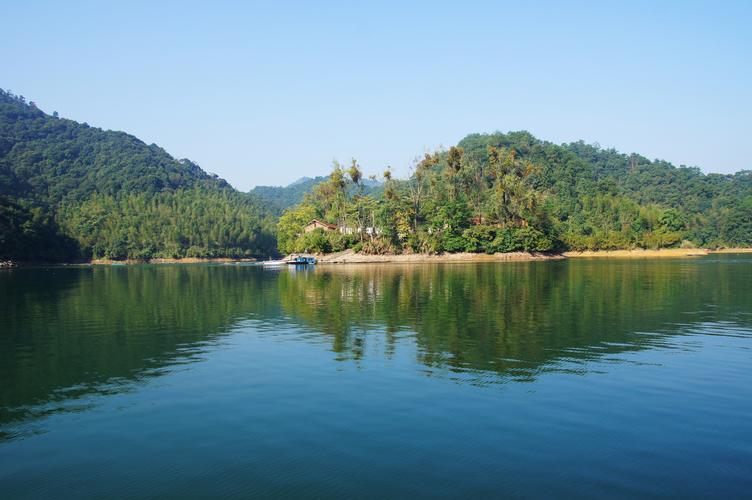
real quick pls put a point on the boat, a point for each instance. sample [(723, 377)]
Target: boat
[(301, 260), (273, 263)]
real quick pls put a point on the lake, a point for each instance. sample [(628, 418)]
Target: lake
[(577, 378)]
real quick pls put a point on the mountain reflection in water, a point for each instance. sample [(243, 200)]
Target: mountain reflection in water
[(68, 332), (580, 378)]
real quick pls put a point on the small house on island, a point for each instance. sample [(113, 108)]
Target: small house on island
[(317, 224)]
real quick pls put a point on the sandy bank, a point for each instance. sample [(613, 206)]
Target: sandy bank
[(732, 250), (640, 253), (350, 257)]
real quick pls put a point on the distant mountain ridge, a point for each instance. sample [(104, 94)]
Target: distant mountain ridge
[(280, 198), (300, 181)]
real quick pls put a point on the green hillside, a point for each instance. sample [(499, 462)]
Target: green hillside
[(68, 190), (510, 192), (283, 197), (602, 198), (280, 198)]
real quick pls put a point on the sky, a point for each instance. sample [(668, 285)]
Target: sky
[(265, 93)]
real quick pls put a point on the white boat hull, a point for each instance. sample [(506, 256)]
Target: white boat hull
[(274, 263)]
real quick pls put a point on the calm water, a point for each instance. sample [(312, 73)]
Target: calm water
[(584, 379)]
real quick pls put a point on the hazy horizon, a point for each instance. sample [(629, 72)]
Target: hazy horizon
[(264, 95)]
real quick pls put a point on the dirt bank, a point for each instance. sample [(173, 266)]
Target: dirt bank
[(732, 250), (350, 257), (641, 253)]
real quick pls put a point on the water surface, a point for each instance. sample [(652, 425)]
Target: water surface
[(578, 378)]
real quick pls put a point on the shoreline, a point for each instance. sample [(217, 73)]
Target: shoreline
[(350, 257), (732, 250), (639, 253), (186, 260)]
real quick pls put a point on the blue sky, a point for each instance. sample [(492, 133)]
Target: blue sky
[(264, 93)]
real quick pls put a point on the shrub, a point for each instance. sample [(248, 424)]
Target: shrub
[(378, 246), (688, 244), (340, 242), (316, 242), (503, 242), (452, 242), (532, 240), (520, 239), (479, 238), (660, 239)]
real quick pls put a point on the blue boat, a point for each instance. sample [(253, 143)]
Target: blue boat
[(301, 260)]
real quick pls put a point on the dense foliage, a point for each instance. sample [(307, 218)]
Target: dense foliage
[(68, 190), (600, 198), (512, 192), (170, 224)]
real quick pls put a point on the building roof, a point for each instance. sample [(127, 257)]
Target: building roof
[(325, 224)]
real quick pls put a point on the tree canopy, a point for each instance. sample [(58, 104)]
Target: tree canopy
[(510, 192), (68, 191), (71, 191)]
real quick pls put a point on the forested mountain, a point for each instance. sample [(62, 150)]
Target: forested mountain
[(602, 198), (283, 197), (68, 190), (507, 192), (71, 191), (280, 198)]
